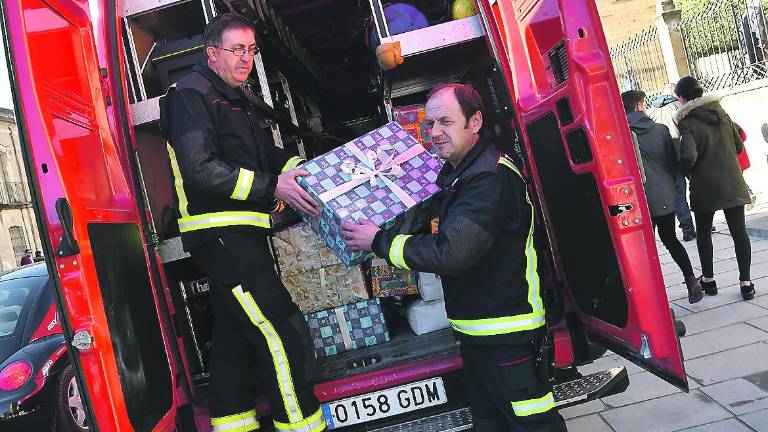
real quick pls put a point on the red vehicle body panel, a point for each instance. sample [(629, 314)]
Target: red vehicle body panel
[(77, 155), (530, 30)]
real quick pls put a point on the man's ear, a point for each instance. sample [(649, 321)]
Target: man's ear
[(476, 122), (211, 53)]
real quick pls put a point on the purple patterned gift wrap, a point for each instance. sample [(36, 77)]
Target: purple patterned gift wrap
[(384, 176)]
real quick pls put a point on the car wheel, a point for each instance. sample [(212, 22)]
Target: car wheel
[(70, 409)]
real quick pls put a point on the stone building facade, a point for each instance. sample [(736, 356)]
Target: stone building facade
[(624, 18), (18, 227)]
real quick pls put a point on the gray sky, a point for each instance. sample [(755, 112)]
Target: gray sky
[(6, 100)]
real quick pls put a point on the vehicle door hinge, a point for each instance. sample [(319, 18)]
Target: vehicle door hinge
[(83, 340)]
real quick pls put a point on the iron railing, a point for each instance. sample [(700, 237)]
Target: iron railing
[(639, 63), (726, 45), (13, 194)]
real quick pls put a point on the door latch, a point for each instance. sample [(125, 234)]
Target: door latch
[(82, 340), (618, 209)]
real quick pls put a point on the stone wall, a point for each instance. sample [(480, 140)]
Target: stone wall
[(624, 18), (748, 106)]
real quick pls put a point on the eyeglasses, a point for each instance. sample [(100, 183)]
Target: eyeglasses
[(239, 52)]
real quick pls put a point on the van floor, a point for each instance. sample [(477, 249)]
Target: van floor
[(404, 346)]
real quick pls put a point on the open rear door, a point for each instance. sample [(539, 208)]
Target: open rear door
[(86, 204), (582, 160)]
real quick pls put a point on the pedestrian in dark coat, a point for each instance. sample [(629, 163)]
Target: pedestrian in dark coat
[(659, 160), (709, 143)]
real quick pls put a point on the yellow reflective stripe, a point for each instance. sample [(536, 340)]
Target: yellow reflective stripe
[(279, 356), (221, 219), (242, 422), (313, 423), (531, 267), (501, 325), (178, 182), (508, 163), (534, 406), (243, 185), (291, 164), (396, 251)]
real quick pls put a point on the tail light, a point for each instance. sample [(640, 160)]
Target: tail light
[(15, 375)]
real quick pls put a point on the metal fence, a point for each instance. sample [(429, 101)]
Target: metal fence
[(639, 63), (727, 45), (13, 194)]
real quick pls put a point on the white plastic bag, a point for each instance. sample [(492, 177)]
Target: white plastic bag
[(427, 316), (430, 287)]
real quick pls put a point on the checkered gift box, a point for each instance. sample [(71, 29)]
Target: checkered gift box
[(413, 119), (383, 176), (348, 327)]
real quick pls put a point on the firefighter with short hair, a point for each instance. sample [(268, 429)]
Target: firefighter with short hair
[(227, 174), (484, 253)]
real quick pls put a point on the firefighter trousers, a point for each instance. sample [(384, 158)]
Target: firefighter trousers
[(504, 391), (257, 338)]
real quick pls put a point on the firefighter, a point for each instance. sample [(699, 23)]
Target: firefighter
[(227, 174), (483, 251)]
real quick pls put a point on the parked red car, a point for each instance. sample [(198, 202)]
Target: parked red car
[(38, 390)]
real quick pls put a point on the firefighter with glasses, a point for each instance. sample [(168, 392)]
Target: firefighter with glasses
[(484, 253), (227, 174)]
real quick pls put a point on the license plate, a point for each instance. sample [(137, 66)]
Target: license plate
[(385, 403)]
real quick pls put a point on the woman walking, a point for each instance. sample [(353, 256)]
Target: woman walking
[(709, 143), (659, 161)]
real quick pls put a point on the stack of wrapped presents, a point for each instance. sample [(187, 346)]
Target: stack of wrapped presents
[(387, 177)]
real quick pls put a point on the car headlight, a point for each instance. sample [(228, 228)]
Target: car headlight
[(15, 375)]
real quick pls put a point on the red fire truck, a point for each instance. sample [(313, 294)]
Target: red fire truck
[(87, 75)]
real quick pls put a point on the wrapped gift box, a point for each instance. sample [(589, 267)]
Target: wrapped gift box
[(388, 281), (348, 327), (413, 119), (313, 275), (326, 287), (300, 250), (383, 176)]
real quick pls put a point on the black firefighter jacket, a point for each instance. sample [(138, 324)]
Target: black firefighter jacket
[(224, 166), (483, 250)]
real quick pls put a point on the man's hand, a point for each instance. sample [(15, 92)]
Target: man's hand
[(289, 191), (359, 236)]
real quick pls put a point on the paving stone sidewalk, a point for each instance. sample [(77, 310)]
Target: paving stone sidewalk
[(725, 349)]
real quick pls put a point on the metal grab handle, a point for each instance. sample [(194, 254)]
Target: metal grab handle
[(67, 244)]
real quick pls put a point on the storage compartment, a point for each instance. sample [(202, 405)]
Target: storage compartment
[(292, 106), (162, 26)]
